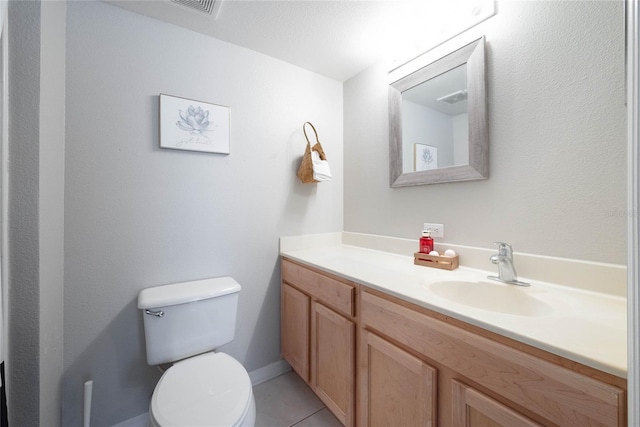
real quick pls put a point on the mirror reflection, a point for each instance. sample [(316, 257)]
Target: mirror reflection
[(435, 122), (438, 121)]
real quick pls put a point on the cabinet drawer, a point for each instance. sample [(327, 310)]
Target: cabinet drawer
[(335, 293), (557, 394)]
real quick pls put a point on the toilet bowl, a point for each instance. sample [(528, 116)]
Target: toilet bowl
[(184, 323), (212, 389)]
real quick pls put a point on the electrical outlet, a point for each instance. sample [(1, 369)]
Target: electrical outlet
[(437, 230)]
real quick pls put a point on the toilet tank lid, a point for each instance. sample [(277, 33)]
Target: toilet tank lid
[(184, 292)]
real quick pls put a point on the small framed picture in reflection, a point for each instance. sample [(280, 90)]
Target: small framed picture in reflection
[(425, 157)]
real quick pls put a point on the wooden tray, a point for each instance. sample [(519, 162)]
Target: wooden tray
[(442, 262)]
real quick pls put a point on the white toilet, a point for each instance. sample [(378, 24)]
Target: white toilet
[(184, 323)]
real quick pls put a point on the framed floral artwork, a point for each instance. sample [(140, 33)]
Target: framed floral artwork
[(425, 157), (187, 124)]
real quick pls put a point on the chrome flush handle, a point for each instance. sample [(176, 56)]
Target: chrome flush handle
[(158, 313)]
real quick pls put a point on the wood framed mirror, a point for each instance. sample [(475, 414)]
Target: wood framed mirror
[(438, 130)]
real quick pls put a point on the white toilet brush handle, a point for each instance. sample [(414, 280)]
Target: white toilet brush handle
[(88, 391)]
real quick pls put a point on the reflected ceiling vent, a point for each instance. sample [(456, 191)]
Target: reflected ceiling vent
[(210, 7), (454, 97)]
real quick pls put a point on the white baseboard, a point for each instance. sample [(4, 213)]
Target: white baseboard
[(272, 370)]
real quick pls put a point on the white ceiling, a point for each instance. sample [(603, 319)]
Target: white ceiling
[(334, 38)]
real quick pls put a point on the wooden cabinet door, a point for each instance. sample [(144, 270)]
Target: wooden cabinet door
[(470, 408), (294, 320), (396, 388), (333, 361)]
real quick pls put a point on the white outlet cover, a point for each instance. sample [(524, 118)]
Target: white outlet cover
[(437, 230)]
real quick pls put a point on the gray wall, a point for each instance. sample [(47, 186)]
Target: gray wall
[(139, 216), (557, 124), (35, 236), (51, 207), (23, 357)]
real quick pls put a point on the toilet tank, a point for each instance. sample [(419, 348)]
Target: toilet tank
[(188, 318)]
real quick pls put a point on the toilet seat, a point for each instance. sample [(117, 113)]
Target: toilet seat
[(212, 389)]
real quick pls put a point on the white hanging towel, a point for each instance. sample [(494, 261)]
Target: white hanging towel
[(321, 170)]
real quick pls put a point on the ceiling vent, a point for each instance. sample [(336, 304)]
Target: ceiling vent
[(454, 97), (210, 7)]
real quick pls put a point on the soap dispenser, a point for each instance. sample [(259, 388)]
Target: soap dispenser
[(426, 242)]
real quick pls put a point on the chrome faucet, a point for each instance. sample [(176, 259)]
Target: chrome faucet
[(506, 269)]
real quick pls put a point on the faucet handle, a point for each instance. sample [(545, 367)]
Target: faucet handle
[(504, 249)]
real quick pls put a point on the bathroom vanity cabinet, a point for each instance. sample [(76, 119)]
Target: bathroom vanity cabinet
[(416, 366), (467, 376), (318, 335)]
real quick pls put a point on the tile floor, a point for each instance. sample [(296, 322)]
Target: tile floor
[(286, 401)]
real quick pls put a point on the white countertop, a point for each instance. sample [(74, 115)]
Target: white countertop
[(581, 325)]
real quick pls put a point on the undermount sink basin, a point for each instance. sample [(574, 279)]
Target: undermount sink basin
[(496, 297)]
